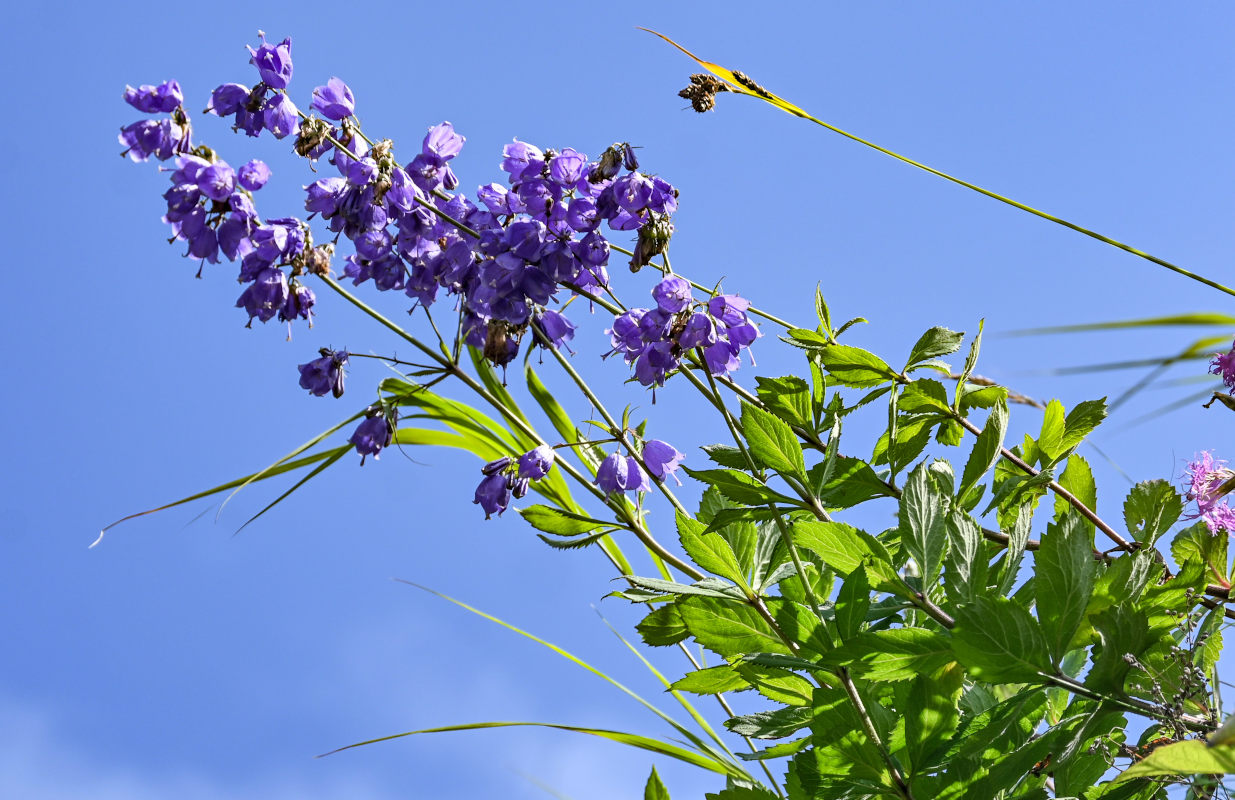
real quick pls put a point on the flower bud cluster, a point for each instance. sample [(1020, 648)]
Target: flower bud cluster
[(653, 340), (507, 477)]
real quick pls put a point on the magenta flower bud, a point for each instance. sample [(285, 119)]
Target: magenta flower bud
[(334, 100), (273, 62)]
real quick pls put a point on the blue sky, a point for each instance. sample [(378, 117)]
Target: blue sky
[(176, 659)]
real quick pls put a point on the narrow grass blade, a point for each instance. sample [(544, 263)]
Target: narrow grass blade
[(631, 739), (743, 85)]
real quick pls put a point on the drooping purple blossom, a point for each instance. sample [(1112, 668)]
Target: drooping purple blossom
[(265, 296), (280, 116), (324, 375), (536, 463), (373, 434), (555, 327), (662, 459), (334, 100), (493, 494), (1206, 477), (618, 473)]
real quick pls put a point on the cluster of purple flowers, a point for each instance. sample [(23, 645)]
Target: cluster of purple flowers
[(266, 105), (162, 138), (520, 244), (653, 340), (1224, 364), (507, 477), (1206, 477), (618, 473), (210, 206)]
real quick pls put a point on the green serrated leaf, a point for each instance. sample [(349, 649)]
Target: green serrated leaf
[(896, 654), (852, 604), (726, 455), (738, 486), (663, 627), (923, 532), (986, 449), (822, 311), (771, 724), (1081, 422), (728, 629), (712, 680), (998, 641), (966, 560), (855, 367), (710, 551), (772, 442), (1190, 757), (842, 547), (787, 397), (1065, 580), (558, 522), (1077, 478), (1150, 510), (655, 788), (934, 343), (1124, 631), (850, 483)]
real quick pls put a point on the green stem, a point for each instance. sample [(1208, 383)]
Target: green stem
[(617, 430), (635, 525), (1015, 204)]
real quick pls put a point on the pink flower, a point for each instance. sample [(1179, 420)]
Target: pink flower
[(1207, 476), (1224, 364)]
